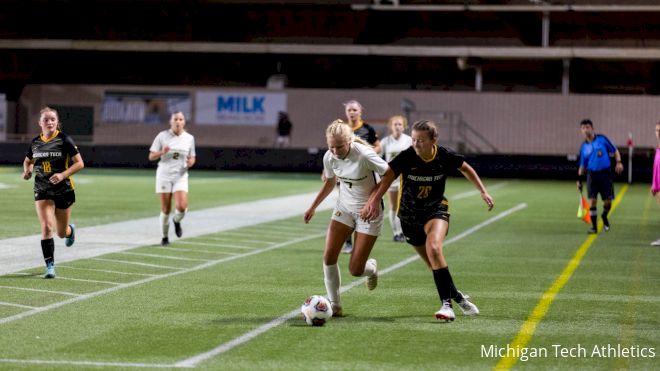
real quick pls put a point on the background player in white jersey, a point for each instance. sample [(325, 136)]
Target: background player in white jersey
[(54, 158), (175, 150), (354, 165), (391, 146)]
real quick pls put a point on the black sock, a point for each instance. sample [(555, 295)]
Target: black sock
[(594, 217), (445, 285), (606, 211), (48, 249)]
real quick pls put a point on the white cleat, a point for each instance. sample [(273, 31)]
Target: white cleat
[(446, 313), (467, 307), (372, 280)]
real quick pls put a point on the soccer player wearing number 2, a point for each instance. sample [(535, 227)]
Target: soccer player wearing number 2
[(175, 150), (54, 158)]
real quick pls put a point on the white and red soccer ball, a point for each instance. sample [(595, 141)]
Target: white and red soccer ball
[(316, 310)]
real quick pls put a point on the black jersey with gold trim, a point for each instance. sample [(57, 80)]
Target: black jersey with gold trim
[(51, 156), (423, 182), (366, 132)]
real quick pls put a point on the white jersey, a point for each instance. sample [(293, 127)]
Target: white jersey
[(357, 174), (172, 164), (392, 147)]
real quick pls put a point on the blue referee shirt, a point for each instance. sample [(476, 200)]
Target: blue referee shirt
[(594, 156)]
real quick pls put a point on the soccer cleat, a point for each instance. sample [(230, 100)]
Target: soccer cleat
[(399, 238), (337, 310), (70, 239), (165, 241), (177, 229), (372, 280), (467, 307), (50, 271), (446, 313), (606, 228), (592, 231), (655, 243), (348, 247)]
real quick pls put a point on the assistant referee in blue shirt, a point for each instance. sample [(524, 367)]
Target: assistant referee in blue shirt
[(595, 161)]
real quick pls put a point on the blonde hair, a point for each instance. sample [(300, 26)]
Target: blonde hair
[(341, 129), (400, 118), (53, 110)]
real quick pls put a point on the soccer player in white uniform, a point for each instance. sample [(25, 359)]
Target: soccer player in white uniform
[(391, 146), (175, 150), (356, 166)]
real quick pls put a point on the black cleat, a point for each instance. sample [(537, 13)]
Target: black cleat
[(165, 241), (177, 229)]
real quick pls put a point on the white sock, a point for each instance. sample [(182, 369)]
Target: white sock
[(165, 223), (369, 269), (178, 215), (395, 222), (332, 280)]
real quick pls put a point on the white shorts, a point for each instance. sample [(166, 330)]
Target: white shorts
[(172, 185), (394, 187), (353, 220)]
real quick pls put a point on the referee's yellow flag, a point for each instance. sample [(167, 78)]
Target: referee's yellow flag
[(583, 209)]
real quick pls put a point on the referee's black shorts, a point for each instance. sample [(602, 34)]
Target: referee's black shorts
[(600, 182)]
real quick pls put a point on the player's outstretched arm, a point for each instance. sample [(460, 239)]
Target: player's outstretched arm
[(326, 188), (473, 177), (371, 209)]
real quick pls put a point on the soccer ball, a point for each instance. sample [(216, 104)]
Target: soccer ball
[(316, 310)]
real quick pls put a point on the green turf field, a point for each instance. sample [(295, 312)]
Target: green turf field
[(229, 300)]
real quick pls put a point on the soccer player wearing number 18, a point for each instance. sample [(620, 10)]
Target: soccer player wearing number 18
[(424, 210), (54, 158)]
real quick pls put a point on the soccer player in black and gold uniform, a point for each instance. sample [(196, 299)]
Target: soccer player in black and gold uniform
[(423, 208), (54, 158)]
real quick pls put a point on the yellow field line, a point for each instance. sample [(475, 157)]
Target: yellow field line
[(526, 332)]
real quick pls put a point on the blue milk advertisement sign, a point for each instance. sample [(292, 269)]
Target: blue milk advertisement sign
[(238, 108)]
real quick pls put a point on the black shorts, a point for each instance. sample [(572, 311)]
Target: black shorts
[(600, 182), (62, 200), (413, 228)]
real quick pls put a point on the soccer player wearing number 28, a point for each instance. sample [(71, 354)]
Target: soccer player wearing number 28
[(54, 158), (424, 210)]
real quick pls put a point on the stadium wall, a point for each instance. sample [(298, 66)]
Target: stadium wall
[(511, 123), (301, 160)]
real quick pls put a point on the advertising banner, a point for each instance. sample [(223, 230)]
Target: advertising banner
[(228, 107), (144, 108)]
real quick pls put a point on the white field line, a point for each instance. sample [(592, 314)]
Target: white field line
[(475, 192), (39, 290), (16, 305), (166, 248), (221, 239), (84, 363), (89, 281), (216, 245), (136, 263), (162, 256), (105, 271), (94, 294), (262, 232), (225, 347)]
